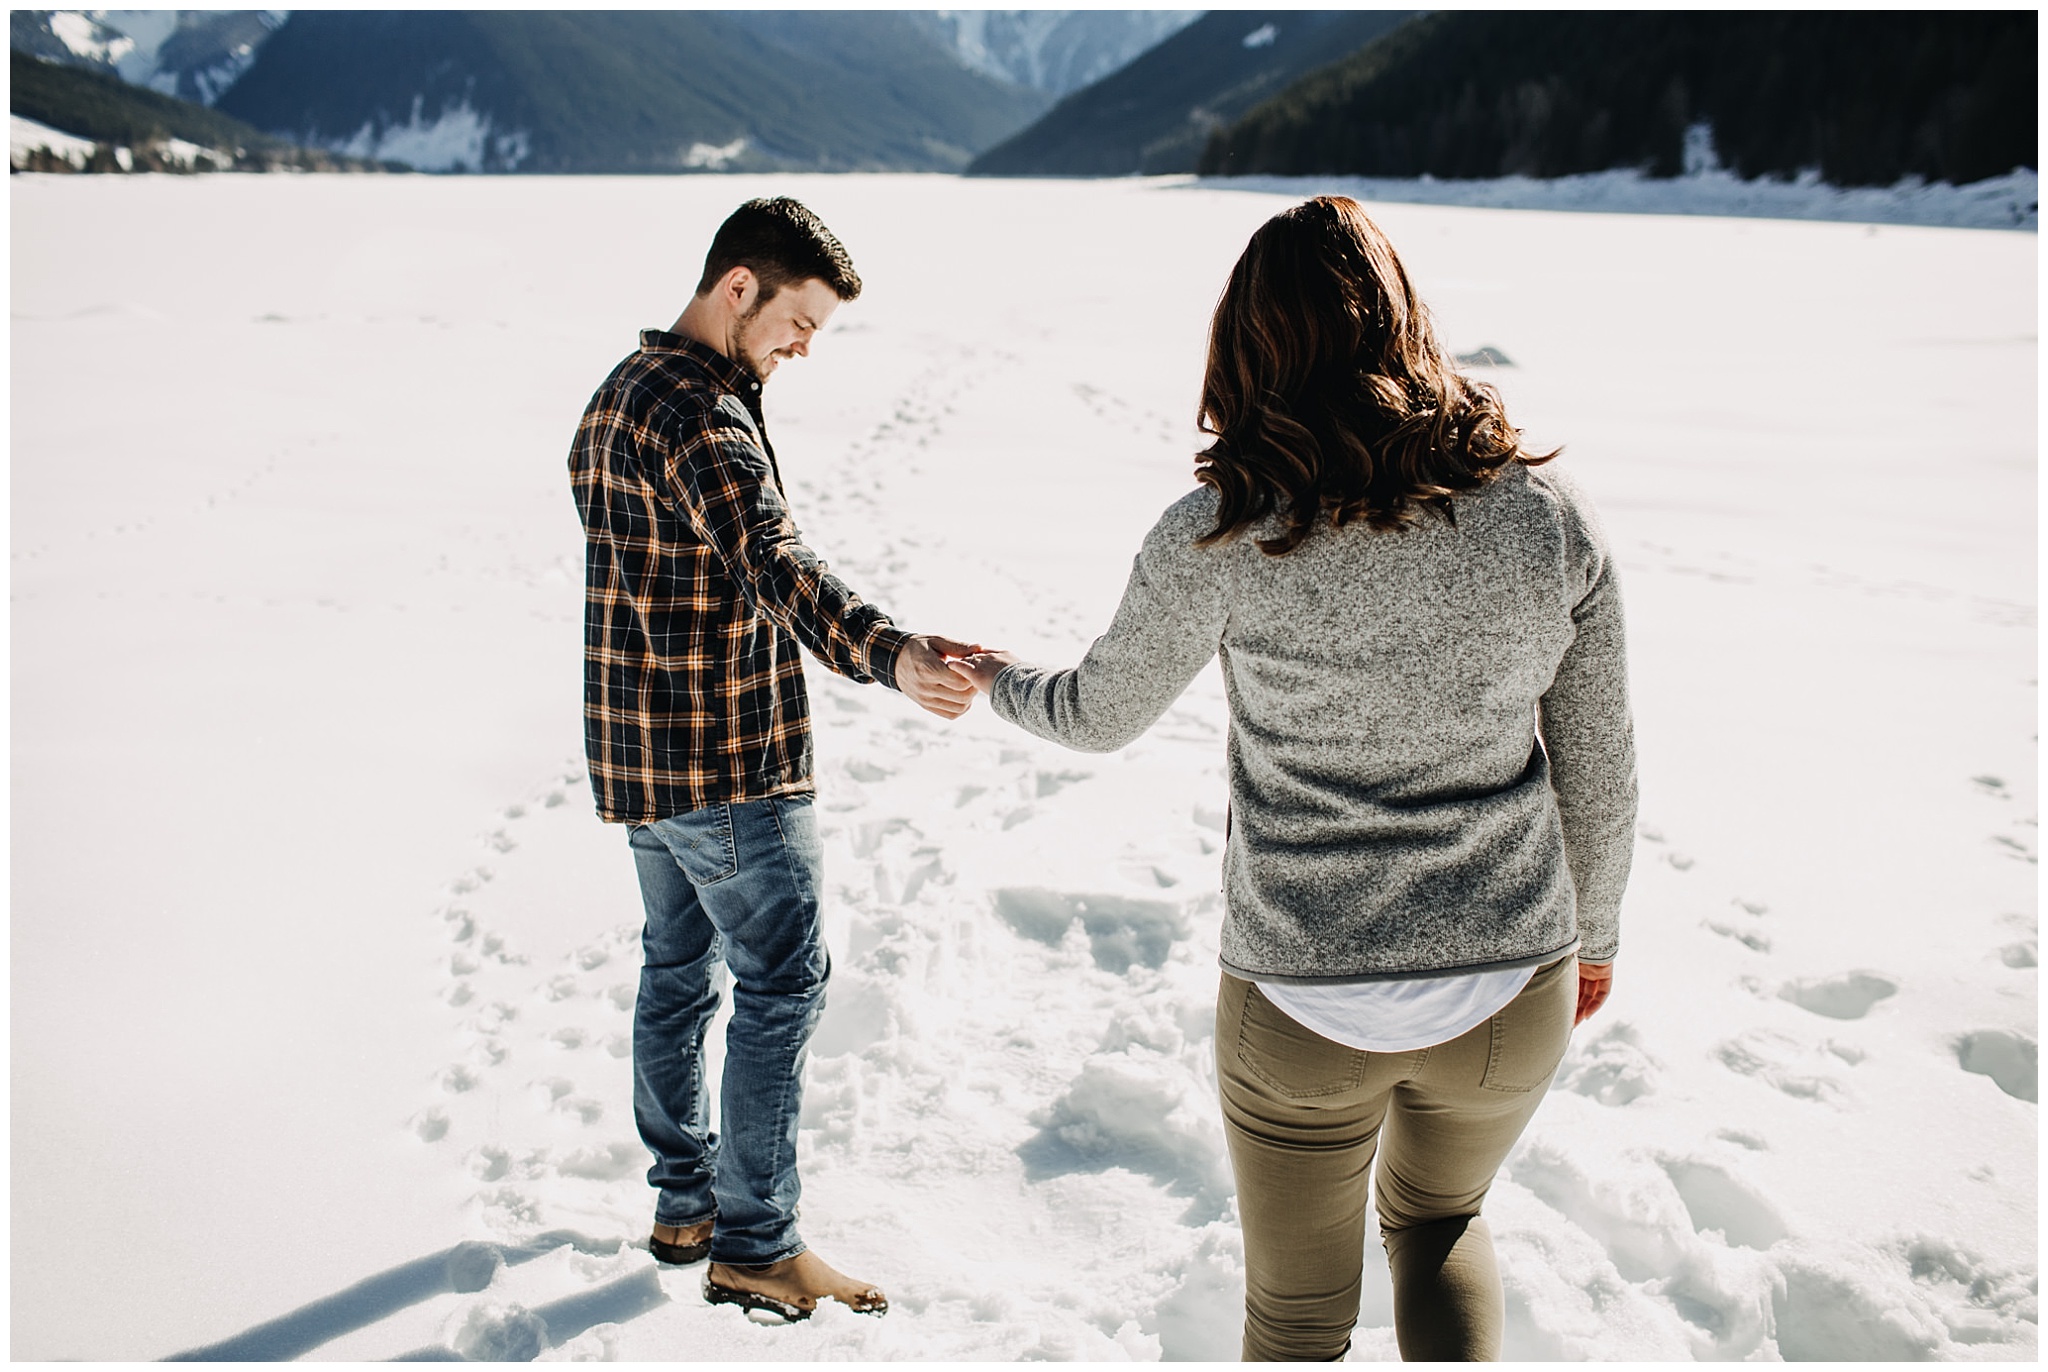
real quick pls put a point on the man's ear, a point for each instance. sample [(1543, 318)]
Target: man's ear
[(738, 287)]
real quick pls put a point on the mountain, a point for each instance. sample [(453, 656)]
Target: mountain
[(71, 37), (203, 52), (1156, 114), (1861, 97), (628, 91), (1055, 51), (191, 54), (99, 106)]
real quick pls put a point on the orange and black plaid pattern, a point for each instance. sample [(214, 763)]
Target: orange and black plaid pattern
[(698, 590)]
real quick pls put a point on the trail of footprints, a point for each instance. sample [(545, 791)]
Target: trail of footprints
[(1803, 1067), (575, 1010), (1650, 1222), (1731, 568), (1144, 1066)]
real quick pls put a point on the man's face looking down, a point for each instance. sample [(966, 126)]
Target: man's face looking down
[(768, 331)]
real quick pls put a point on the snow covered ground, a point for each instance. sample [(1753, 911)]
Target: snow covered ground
[(322, 968)]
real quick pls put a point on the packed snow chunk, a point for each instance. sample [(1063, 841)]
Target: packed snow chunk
[(473, 1266), (1612, 1068), (1141, 1111), (1203, 1319), (1829, 1310), (2011, 1060), (1628, 1205), (599, 1343), (607, 1162), (1121, 930), (1725, 1295), (1564, 1300), (1981, 1303), (1849, 996), (495, 1333)]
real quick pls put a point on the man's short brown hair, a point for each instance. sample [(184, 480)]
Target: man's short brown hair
[(779, 241)]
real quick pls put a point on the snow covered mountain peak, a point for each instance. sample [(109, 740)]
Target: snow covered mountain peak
[(192, 54), (1055, 51)]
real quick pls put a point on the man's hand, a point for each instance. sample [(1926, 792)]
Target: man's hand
[(922, 674), (982, 668), (1595, 981)]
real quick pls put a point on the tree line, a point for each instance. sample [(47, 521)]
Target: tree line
[(1862, 97), (113, 114)]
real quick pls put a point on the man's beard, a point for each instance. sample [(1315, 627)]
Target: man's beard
[(751, 364)]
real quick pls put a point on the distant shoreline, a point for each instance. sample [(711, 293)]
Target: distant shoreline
[(2009, 202)]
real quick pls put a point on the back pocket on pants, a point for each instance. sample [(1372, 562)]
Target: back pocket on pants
[(1291, 1058), (1529, 1035)]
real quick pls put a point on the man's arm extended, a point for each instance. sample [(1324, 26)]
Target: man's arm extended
[(721, 480)]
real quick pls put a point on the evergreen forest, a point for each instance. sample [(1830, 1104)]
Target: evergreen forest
[(1861, 97)]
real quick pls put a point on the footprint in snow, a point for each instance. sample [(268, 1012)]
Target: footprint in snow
[(1611, 1068), (1780, 1061), (1052, 783), (860, 769), (1848, 996), (1650, 833), (1743, 932), (1122, 931), (1718, 1200), (2009, 1059)]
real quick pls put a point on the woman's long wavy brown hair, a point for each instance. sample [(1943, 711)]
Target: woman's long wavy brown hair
[(1327, 391)]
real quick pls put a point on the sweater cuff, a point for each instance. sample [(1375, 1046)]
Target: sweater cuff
[(880, 654)]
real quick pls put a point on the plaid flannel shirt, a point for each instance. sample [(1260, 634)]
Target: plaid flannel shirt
[(698, 590)]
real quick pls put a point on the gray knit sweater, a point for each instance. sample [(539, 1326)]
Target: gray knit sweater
[(1393, 810)]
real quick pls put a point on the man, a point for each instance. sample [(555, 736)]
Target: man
[(697, 728)]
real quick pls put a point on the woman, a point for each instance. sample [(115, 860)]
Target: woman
[(1432, 777)]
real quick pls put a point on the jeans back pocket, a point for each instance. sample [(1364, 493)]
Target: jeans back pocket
[(702, 843)]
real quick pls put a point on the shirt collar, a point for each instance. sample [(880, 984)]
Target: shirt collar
[(723, 371)]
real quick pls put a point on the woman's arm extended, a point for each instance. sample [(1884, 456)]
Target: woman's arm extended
[(1167, 627)]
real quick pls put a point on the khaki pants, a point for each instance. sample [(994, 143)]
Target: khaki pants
[(1304, 1117)]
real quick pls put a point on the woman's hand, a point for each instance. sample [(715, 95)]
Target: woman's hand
[(982, 668), (1596, 979)]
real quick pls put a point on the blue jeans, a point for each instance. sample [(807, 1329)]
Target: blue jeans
[(738, 883)]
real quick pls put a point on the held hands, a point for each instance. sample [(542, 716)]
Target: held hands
[(982, 667), (1595, 981), (923, 674)]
